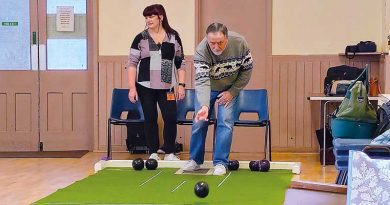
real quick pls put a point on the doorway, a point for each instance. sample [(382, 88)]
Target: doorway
[(46, 80)]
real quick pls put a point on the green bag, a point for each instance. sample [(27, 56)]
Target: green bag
[(356, 106)]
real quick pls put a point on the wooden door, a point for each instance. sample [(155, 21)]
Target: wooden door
[(46, 76), (19, 76), (66, 91)]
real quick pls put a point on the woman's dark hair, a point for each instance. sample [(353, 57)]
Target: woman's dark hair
[(158, 9)]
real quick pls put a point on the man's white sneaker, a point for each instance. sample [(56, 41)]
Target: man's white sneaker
[(154, 156), (219, 169), (191, 165), (171, 157)]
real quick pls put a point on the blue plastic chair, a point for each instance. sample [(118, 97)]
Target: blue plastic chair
[(184, 107), (120, 103), (187, 105), (255, 101)]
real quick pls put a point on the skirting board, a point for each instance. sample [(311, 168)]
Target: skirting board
[(295, 167)]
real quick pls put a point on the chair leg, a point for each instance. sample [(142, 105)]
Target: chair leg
[(214, 138), (269, 141), (109, 152), (266, 148)]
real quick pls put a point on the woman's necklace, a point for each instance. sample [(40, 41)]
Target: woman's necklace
[(158, 37)]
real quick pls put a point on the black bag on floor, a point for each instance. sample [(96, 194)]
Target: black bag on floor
[(178, 147), (320, 138), (329, 156), (136, 142)]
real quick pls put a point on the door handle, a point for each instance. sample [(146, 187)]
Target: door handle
[(34, 38)]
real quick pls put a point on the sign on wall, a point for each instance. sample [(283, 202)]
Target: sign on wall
[(13, 23), (65, 18)]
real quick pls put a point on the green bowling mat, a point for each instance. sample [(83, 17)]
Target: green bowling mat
[(162, 186)]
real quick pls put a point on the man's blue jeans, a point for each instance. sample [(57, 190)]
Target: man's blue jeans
[(224, 132)]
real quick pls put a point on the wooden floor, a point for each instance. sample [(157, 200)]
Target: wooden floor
[(24, 181)]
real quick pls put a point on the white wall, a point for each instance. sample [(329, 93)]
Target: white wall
[(310, 27), (121, 20), (299, 27)]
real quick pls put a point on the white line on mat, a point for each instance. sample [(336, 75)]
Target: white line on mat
[(150, 178), (224, 179), (179, 186)]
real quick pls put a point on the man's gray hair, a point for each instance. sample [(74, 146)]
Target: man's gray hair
[(217, 27)]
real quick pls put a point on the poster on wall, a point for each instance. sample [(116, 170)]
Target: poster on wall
[(65, 18)]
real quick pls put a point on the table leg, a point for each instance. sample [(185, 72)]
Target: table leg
[(321, 117), (324, 136), (325, 117)]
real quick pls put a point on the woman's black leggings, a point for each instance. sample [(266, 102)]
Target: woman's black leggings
[(149, 99)]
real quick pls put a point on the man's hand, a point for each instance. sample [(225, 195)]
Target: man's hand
[(133, 95), (202, 114), (224, 98), (180, 93)]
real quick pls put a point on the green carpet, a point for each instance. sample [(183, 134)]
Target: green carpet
[(126, 186)]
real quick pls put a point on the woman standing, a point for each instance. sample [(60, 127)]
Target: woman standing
[(157, 52)]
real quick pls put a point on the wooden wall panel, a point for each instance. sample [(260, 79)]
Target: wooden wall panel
[(291, 96), (294, 118), (308, 85), (384, 76), (3, 112), (283, 114), (113, 74), (274, 95), (291, 80)]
